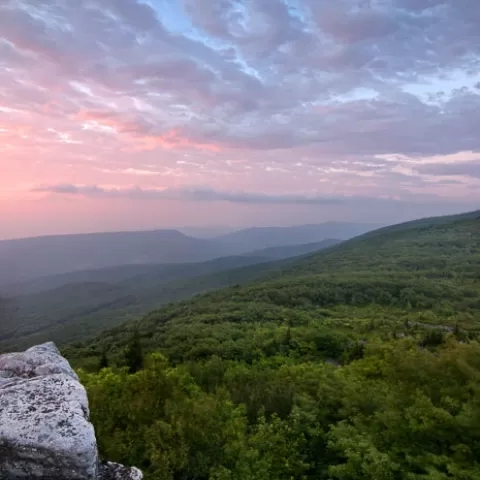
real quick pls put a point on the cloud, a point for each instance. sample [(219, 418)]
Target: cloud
[(259, 198), (189, 194), (140, 172), (467, 169), (234, 95), (199, 194), (348, 97)]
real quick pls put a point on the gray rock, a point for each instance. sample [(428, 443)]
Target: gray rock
[(40, 360), (114, 471), (45, 432)]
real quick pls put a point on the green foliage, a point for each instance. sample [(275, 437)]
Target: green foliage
[(399, 412), (134, 353), (81, 309), (103, 363), (360, 362), (403, 278), (412, 415)]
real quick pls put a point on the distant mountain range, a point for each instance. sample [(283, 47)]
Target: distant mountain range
[(286, 251), (41, 256), (257, 238), (206, 232), (419, 274), (30, 258), (77, 305)]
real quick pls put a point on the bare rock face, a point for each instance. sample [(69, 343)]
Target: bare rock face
[(45, 432)]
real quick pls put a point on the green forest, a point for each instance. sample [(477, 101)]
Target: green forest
[(361, 361), (79, 305)]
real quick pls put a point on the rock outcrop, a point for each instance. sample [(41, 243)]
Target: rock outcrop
[(45, 432)]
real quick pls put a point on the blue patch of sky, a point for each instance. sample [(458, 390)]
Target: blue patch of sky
[(174, 18), (438, 89), (171, 14)]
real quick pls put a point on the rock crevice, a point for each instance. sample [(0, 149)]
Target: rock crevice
[(45, 431)]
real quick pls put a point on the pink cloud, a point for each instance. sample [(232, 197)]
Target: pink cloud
[(263, 99), (140, 134), (173, 139)]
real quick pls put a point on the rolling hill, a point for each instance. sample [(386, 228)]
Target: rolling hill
[(360, 361), (257, 238), (420, 273), (31, 258), (280, 252), (424, 271), (159, 272), (35, 257), (154, 274), (78, 305)]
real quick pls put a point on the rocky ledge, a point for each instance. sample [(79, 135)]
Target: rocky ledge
[(45, 432)]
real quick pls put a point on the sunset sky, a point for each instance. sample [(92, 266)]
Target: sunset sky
[(124, 114)]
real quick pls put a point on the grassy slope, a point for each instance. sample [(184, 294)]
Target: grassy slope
[(423, 272)]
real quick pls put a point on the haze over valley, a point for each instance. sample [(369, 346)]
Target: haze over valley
[(83, 283)]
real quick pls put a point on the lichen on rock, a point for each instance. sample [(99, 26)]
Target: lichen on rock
[(45, 432)]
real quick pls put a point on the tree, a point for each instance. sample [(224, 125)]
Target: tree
[(134, 353), (103, 363), (405, 422)]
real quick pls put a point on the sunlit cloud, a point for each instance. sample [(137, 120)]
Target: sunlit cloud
[(187, 193), (349, 98)]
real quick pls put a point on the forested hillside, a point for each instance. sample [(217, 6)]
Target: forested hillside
[(424, 272), (358, 362), (95, 300), (79, 305)]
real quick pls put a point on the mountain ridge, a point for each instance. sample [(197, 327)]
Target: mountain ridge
[(41, 256), (256, 238), (422, 272), (102, 298), (28, 258)]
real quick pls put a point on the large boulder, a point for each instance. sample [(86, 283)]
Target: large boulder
[(45, 432), (37, 361)]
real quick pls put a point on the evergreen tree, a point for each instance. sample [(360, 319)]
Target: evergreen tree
[(103, 361), (134, 354)]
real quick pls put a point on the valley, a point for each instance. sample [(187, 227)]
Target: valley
[(356, 361), (77, 305)]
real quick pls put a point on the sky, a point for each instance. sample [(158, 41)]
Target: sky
[(128, 114)]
